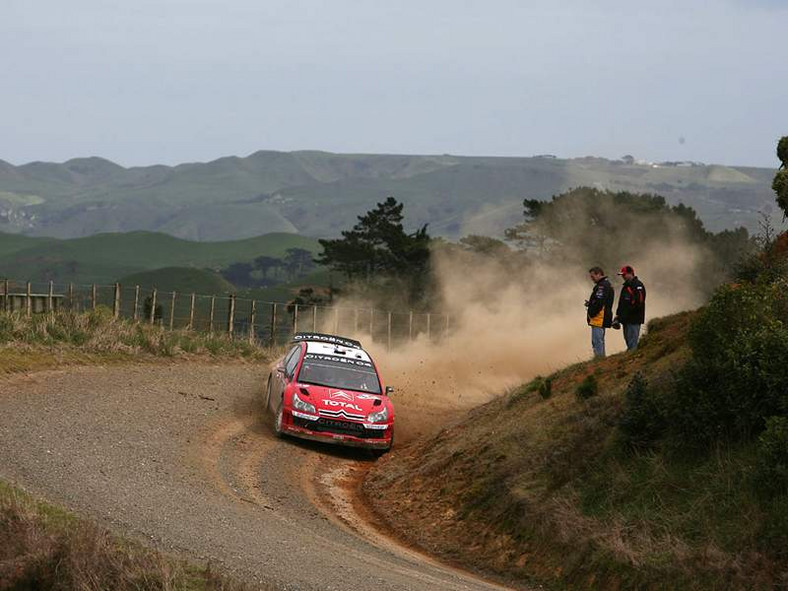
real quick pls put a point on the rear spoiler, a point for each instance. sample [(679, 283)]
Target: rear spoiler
[(326, 338)]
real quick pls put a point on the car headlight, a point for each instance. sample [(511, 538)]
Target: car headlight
[(379, 417), (299, 404)]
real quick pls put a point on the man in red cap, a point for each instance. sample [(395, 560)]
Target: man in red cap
[(631, 311)]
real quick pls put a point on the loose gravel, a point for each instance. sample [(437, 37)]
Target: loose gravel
[(180, 457)]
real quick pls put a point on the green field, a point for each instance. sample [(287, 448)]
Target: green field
[(104, 258), (181, 280)]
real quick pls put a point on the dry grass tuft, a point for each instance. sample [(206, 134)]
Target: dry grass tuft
[(41, 547)]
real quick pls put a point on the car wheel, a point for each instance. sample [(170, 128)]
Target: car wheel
[(379, 453), (278, 418)]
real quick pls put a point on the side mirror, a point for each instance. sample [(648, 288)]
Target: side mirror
[(389, 390)]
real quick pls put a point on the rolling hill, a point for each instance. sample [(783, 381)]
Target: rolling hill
[(103, 258), (319, 193)]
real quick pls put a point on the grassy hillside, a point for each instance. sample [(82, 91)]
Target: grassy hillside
[(181, 280), (11, 243), (319, 193), (538, 485), (103, 258)]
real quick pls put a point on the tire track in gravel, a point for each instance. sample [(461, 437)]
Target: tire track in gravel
[(179, 456)]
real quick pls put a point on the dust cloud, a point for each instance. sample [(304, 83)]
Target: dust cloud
[(510, 324)]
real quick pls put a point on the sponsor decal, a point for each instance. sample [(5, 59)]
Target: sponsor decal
[(326, 338), (367, 397), (338, 360), (340, 395), (343, 405)]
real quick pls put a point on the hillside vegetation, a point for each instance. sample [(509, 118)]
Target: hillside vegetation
[(46, 341), (104, 258), (319, 193), (662, 468)]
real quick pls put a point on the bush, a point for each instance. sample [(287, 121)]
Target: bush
[(772, 469), (545, 388), (643, 420), (587, 388), (737, 375)]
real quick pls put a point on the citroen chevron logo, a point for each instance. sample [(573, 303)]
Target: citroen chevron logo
[(340, 395)]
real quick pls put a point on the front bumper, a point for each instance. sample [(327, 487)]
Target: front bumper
[(337, 438)]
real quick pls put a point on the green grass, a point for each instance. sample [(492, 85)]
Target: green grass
[(104, 258), (52, 340)]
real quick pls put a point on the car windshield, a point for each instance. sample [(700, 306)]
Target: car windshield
[(344, 374)]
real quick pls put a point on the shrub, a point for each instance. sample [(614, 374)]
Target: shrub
[(587, 388), (772, 469), (643, 419), (546, 388), (737, 375)]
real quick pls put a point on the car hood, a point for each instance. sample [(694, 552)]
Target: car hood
[(347, 403)]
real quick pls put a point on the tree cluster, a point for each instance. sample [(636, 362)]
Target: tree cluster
[(377, 256), (265, 271)]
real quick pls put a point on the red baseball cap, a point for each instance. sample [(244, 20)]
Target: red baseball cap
[(626, 269)]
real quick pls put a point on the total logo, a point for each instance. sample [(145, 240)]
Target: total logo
[(343, 405)]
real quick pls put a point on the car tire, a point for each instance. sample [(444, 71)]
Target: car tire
[(379, 453), (278, 417)]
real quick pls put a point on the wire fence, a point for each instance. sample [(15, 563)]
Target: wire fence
[(263, 322)]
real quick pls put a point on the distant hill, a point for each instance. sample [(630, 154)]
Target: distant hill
[(103, 258), (320, 194), (181, 280)]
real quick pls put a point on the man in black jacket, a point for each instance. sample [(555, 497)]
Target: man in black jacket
[(600, 309), (631, 311)]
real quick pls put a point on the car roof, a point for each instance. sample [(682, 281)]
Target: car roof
[(337, 351)]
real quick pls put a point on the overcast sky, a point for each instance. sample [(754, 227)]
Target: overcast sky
[(168, 81)]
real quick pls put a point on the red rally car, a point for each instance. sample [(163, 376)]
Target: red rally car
[(327, 388)]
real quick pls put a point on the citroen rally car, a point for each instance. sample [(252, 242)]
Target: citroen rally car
[(327, 388)]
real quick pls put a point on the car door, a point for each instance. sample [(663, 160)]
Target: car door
[(280, 376)]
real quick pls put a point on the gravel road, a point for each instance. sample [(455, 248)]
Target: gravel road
[(178, 455)]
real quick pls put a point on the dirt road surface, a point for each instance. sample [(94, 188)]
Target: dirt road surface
[(178, 455)]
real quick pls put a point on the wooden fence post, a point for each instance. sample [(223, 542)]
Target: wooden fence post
[(273, 323), (446, 331), (429, 322), (6, 298), (252, 319), (388, 328), (51, 297), (116, 301), (93, 297), (336, 320), (172, 311), (136, 314), (210, 318), (231, 315), (153, 306), (191, 312), (71, 297), (314, 318), (371, 323), (355, 320), (295, 318), (410, 326), (29, 300)]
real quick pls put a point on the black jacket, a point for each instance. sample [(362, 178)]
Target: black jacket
[(632, 302), (600, 304)]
